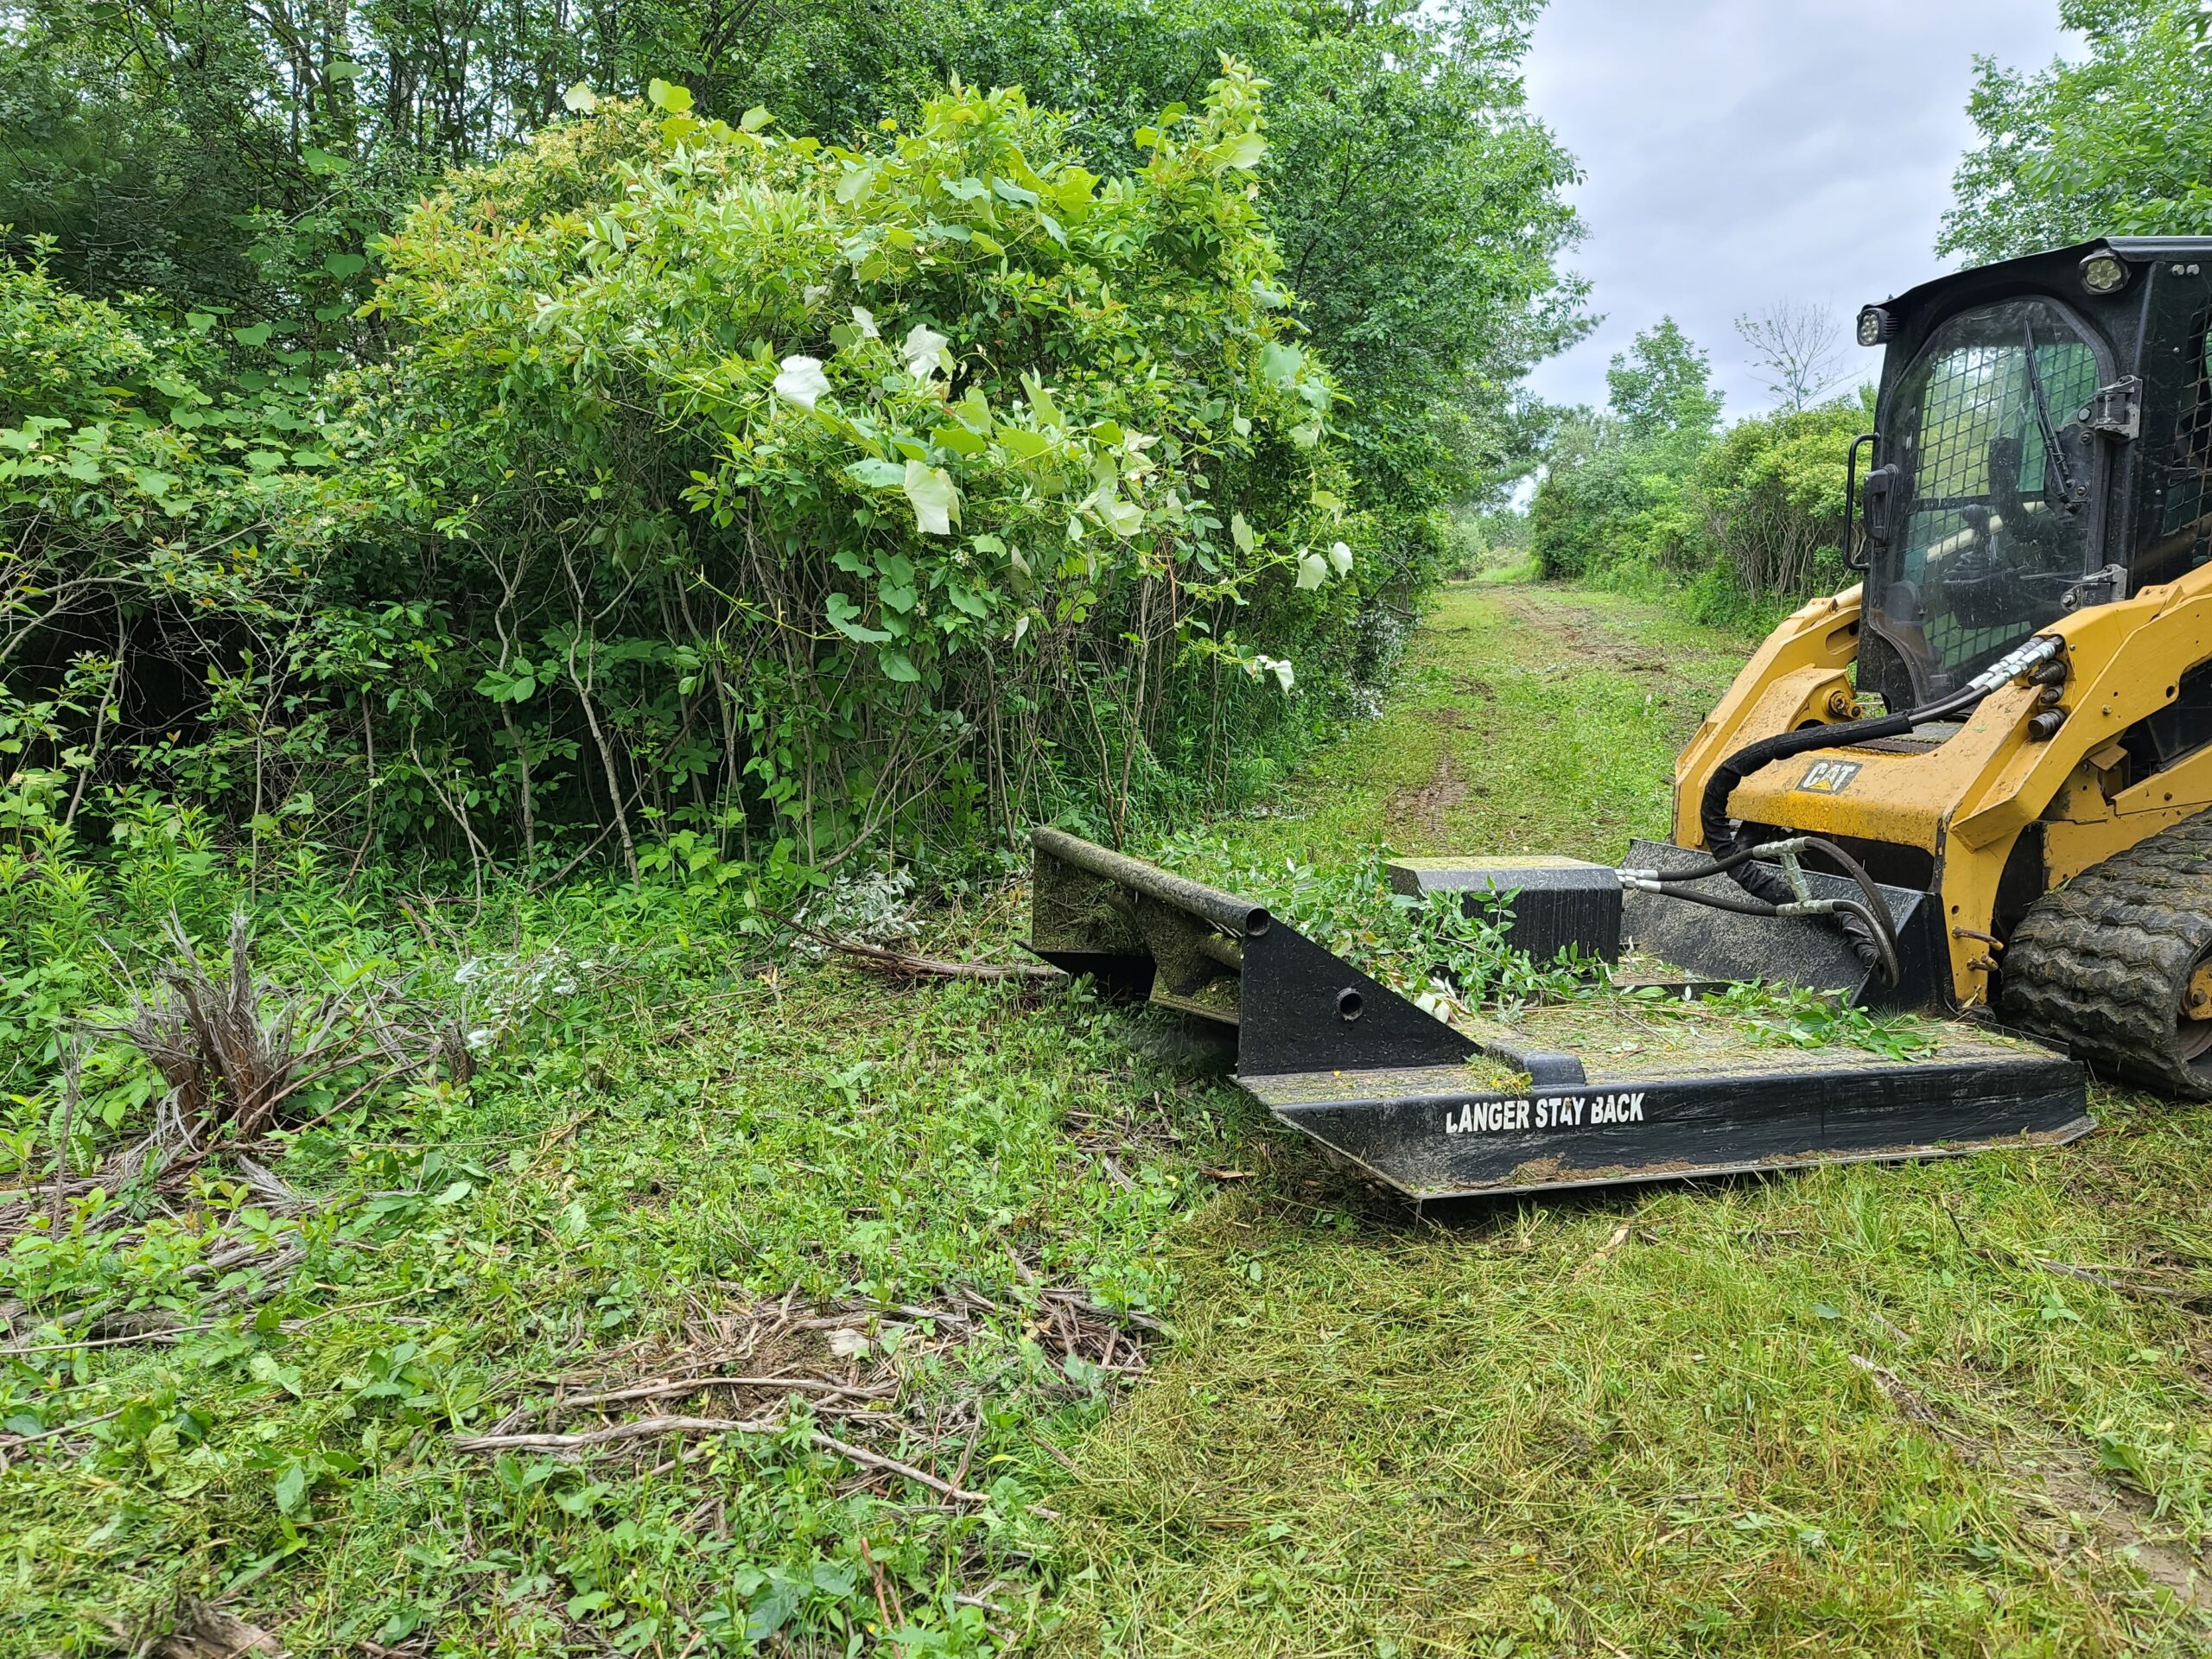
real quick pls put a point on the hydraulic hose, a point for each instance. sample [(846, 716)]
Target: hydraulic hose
[(1762, 881)]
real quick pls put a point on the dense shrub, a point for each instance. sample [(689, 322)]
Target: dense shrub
[(738, 494), (1771, 494), (1614, 504)]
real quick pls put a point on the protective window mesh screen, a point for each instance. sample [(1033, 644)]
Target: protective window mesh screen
[(2189, 474), (1996, 529)]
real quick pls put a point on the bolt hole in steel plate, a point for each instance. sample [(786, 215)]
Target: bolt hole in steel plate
[(2195, 1034), (1350, 1005)]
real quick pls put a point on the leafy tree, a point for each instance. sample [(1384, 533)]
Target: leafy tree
[(2120, 142), (1399, 217), (1770, 491), (1420, 209), (1661, 386), (1647, 493), (1614, 502)]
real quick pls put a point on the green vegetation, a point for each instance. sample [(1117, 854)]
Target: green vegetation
[(2117, 141), (654, 1152), (750, 499), (1653, 496), (676, 1149), (820, 455)]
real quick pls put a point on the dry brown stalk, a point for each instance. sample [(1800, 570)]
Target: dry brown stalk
[(670, 1388), (653, 1427), (900, 961)]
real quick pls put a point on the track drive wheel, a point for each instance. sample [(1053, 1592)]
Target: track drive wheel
[(2117, 964)]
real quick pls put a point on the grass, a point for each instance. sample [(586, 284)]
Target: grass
[(1852, 1411), (682, 1159)]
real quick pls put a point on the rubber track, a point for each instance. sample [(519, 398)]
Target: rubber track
[(2099, 965)]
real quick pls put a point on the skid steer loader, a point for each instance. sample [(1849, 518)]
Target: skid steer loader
[(1975, 784)]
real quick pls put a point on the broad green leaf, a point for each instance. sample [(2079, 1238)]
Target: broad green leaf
[(1007, 190), (853, 185), (897, 666), (343, 264), (877, 475), (1279, 362), (256, 335), (1244, 151), (667, 95), (936, 502), (1125, 518), (974, 412), (266, 1368), (844, 616), (959, 439), (754, 119), (1041, 401), (291, 1487)]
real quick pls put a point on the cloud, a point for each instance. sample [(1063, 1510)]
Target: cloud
[(1742, 152)]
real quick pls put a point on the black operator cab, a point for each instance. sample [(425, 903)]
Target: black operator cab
[(2043, 441)]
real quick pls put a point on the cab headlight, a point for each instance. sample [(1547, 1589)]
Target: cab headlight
[(2104, 272)]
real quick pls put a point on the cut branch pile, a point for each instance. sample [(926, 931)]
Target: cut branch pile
[(233, 1050), (850, 1364)]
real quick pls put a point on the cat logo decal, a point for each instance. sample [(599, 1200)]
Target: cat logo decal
[(1828, 777)]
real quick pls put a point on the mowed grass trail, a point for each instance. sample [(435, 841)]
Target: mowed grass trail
[(1527, 719), (1878, 1411)]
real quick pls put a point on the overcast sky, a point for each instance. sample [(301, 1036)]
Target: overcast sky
[(1742, 152)]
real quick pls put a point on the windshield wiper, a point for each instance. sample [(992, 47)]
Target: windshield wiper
[(2055, 466)]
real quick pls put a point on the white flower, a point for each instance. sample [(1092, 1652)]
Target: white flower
[(802, 381), (1340, 556), (923, 349), (864, 320)]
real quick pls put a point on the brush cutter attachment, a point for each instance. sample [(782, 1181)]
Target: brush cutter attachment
[(1140, 932), (1564, 1098)]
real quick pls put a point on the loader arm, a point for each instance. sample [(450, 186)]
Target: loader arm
[(1966, 794)]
